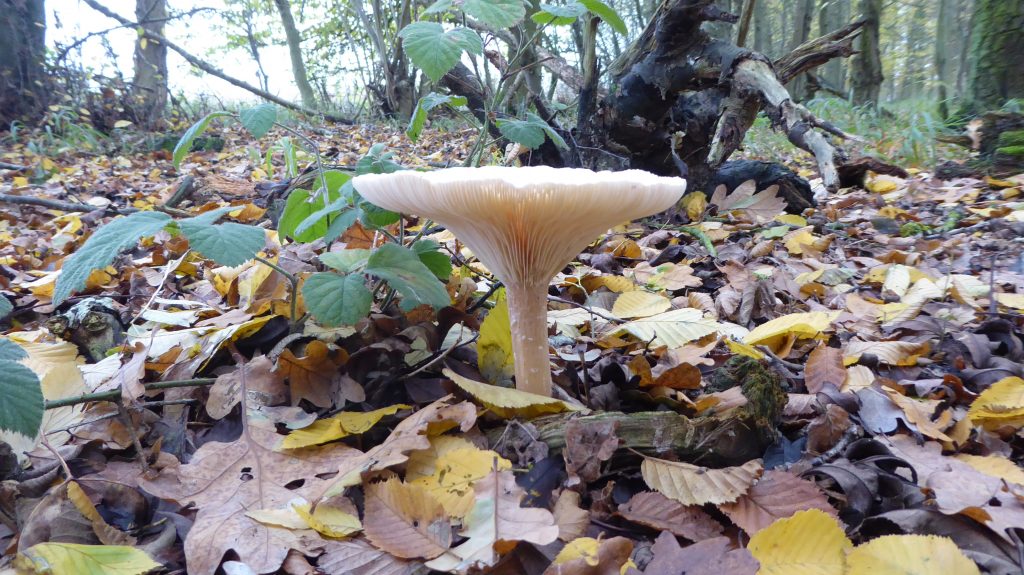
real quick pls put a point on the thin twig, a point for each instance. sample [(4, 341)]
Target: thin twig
[(60, 459), (76, 207)]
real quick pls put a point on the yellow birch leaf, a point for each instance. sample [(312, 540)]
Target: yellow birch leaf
[(1001, 404), (337, 427), (996, 466), (810, 542), (791, 219), (507, 402), (494, 346), (695, 485), (909, 555), (328, 520), (455, 472), (46, 558), (638, 303), (740, 348), (674, 328), (803, 325)]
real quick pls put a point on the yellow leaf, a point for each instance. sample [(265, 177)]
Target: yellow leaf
[(638, 303), (328, 520), (880, 184), (804, 325), (337, 427), (122, 123), (695, 203), (60, 558), (791, 219), (19, 181), (507, 402), (695, 485), (909, 555), (585, 548), (674, 328), (1014, 300), (901, 353), (423, 462), (1001, 404), (797, 240), (740, 348), (455, 473), (996, 466), (494, 347), (617, 284), (809, 543)]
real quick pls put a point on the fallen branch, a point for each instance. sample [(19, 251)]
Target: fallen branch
[(76, 207), (209, 69), (115, 395), (17, 167)]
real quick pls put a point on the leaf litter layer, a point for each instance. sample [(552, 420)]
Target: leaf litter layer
[(833, 392)]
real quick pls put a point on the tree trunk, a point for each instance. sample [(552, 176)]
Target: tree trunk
[(834, 15), (866, 69), (801, 30), (762, 29), (997, 53), (149, 87), (943, 73), (914, 70), (295, 53), (22, 49)]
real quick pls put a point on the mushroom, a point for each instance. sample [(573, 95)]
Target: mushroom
[(524, 224)]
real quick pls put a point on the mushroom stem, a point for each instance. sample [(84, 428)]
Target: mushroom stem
[(528, 311)]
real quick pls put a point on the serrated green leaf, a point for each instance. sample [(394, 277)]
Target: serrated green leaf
[(438, 7), (21, 409), (102, 247), (606, 13), (336, 299), (551, 133), (436, 51), (438, 263), (10, 351), (340, 224), (530, 132), (559, 15), (497, 14), (376, 216), (5, 307), (228, 244), (84, 559), (424, 106), (259, 119), (185, 143), (404, 271), (346, 261), (377, 161), (298, 208)]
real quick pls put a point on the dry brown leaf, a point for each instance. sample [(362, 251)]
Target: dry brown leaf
[(315, 375), (572, 521), (654, 510), (778, 494), (263, 384), (587, 446), (825, 430), (824, 365), (695, 485), (609, 558), (225, 480), (682, 376), (919, 413), (405, 520), (744, 203), (357, 557), (714, 556)]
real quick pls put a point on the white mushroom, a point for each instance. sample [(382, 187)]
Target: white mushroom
[(525, 225)]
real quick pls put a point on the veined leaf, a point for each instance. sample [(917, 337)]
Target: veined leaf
[(258, 119), (497, 14), (530, 132), (606, 13), (84, 559), (5, 307), (336, 299), (435, 50), (10, 351), (494, 346), (437, 262), (404, 271), (909, 555), (424, 106), (558, 15), (229, 244), (507, 402), (346, 261), (21, 409), (297, 210), (808, 543), (185, 143), (102, 247)]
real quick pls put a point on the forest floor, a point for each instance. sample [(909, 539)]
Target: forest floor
[(833, 392)]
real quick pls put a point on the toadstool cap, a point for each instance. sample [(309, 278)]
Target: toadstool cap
[(524, 223)]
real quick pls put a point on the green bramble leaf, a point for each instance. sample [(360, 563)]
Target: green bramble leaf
[(438, 263), (498, 14), (336, 299), (346, 261), (403, 270), (102, 247), (424, 106), (21, 409), (10, 351), (558, 15), (228, 244), (435, 50), (606, 13), (530, 132), (5, 307), (185, 143), (259, 119)]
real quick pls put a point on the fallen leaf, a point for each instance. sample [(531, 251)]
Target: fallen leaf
[(405, 520), (656, 511), (808, 543), (909, 555), (776, 495), (694, 485)]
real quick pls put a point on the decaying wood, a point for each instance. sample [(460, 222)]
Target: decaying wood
[(820, 50)]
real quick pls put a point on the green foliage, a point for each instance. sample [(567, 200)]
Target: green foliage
[(337, 299), (606, 13), (185, 143), (424, 106), (304, 205), (21, 410), (550, 14), (408, 275), (438, 263), (346, 260), (436, 51), (10, 351), (497, 14), (102, 247), (530, 132), (5, 307), (258, 119), (228, 244)]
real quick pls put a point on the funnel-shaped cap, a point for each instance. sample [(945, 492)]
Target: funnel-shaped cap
[(525, 224)]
